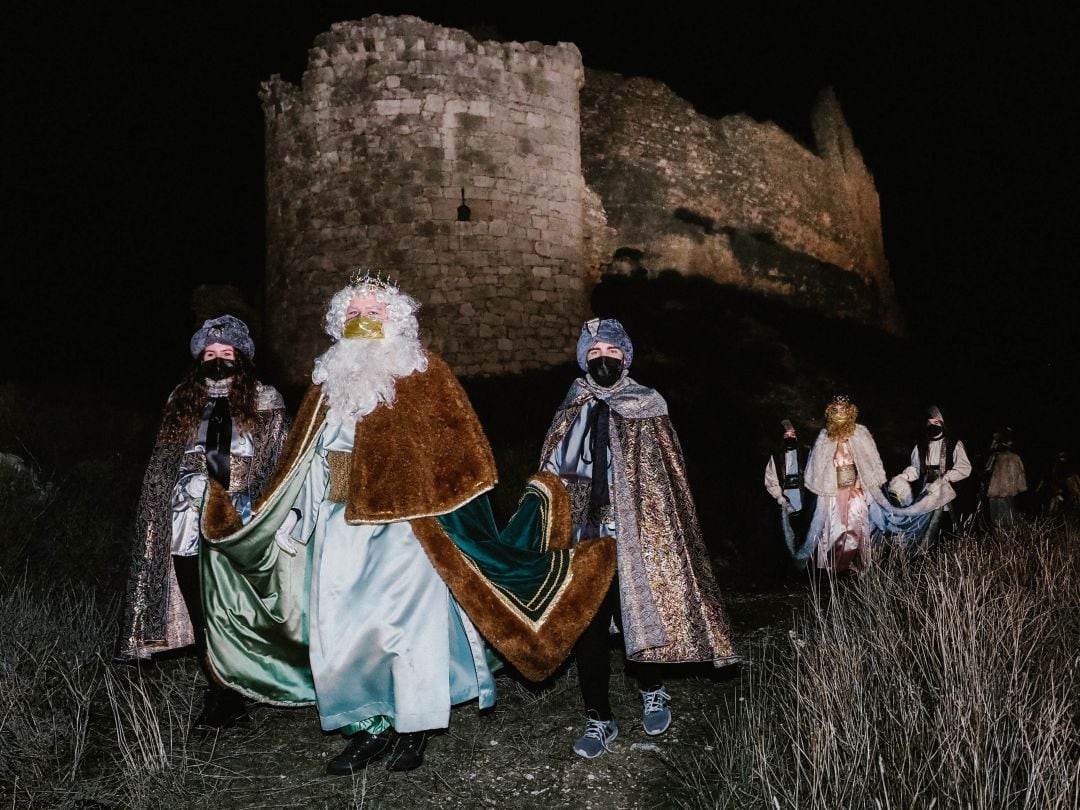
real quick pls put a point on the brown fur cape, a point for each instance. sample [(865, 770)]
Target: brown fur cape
[(424, 456)]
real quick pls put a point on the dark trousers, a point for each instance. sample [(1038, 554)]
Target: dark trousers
[(187, 577), (800, 523), (593, 653)]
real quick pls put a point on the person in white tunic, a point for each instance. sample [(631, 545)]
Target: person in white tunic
[(1005, 479), (784, 483), (938, 457)]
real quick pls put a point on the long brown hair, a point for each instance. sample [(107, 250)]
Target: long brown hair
[(185, 407)]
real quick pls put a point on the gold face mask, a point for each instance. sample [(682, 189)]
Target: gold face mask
[(363, 327)]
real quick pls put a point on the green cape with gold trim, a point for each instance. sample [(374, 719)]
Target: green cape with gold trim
[(426, 460)]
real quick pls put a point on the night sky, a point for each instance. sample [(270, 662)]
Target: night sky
[(134, 165)]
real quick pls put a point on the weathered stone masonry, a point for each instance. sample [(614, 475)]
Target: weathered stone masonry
[(736, 200), (367, 159), (366, 163)]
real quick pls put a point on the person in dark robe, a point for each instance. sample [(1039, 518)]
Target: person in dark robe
[(613, 445), (220, 424)]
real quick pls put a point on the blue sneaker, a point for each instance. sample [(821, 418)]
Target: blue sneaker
[(594, 742), (657, 716)]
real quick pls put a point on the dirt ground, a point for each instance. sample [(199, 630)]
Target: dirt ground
[(517, 754)]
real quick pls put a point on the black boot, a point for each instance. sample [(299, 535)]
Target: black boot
[(408, 751), (363, 747), (222, 708)]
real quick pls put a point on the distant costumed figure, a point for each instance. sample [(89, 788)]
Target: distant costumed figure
[(937, 463), (1005, 479), (785, 482), (845, 472), (1060, 489), (613, 444), (371, 573), (220, 424)]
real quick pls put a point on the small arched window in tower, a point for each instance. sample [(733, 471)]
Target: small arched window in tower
[(463, 211)]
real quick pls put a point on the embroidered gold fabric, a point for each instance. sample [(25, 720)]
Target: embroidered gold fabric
[(846, 476), (154, 618), (676, 568), (672, 611), (339, 462)]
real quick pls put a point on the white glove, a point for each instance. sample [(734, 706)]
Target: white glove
[(787, 508), (282, 535)]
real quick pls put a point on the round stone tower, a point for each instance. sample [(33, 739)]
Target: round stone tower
[(450, 164)]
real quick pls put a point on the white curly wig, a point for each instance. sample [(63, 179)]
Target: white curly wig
[(401, 309), (359, 374)]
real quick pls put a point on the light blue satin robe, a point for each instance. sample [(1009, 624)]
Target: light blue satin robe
[(189, 491), (386, 636)]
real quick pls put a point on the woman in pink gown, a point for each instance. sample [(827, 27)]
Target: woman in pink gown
[(845, 472)]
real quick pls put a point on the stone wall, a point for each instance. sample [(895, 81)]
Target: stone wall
[(735, 200), (367, 159), (365, 166)]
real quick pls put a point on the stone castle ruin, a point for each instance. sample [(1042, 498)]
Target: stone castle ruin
[(497, 181)]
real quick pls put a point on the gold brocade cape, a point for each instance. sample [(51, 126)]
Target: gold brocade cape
[(424, 459), (154, 618), (671, 606)]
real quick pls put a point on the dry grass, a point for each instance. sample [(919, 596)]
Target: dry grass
[(950, 681), (946, 682)]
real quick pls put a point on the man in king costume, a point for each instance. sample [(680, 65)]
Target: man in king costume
[(613, 445), (373, 560), (219, 423)]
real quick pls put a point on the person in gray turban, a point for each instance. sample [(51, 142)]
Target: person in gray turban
[(220, 423), (613, 445), (226, 330)]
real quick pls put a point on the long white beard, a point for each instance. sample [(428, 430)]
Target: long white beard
[(358, 374)]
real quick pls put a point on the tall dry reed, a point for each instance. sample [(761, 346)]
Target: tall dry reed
[(948, 680)]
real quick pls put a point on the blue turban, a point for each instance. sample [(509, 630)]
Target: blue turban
[(228, 330), (607, 330)]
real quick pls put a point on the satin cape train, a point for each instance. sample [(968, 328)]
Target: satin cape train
[(427, 461)]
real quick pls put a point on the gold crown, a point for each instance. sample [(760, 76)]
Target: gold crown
[(363, 277)]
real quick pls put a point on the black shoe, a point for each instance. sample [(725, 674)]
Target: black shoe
[(222, 708), (363, 747), (408, 751)]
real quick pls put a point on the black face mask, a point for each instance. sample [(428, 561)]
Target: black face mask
[(791, 443), (218, 369), (605, 370), (934, 432)]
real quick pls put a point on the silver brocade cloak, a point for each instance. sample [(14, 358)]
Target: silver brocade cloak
[(154, 618), (672, 611)]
